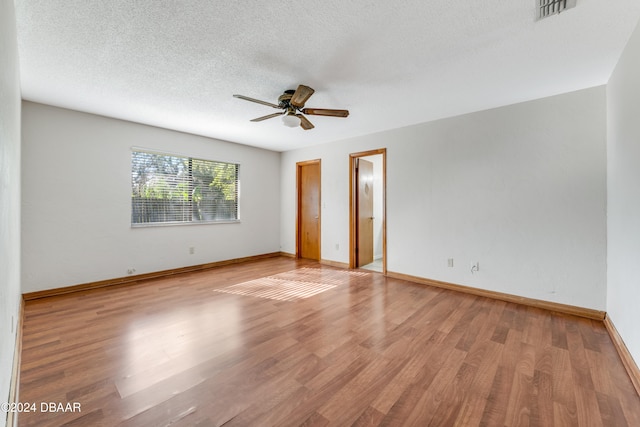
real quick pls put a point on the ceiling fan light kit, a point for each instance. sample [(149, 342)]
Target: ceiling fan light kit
[(290, 120), (291, 102)]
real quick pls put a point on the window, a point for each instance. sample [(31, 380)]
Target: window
[(170, 189)]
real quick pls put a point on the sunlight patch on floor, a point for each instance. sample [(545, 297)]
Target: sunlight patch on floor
[(294, 284)]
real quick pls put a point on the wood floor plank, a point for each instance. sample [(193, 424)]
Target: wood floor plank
[(585, 400), (438, 392), (342, 407), (450, 402), (370, 351), (542, 413), (518, 410), (390, 394), (369, 417), (495, 410), (470, 411)]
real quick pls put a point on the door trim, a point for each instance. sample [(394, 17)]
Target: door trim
[(299, 166), (353, 221)]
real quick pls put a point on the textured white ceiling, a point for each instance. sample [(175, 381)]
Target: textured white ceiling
[(176, 64)]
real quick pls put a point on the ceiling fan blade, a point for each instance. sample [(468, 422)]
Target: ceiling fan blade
[(304, 122), (301, 95), (246, 98), (325, 112), (270, 116)]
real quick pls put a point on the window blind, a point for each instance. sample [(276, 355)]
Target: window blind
[(174, 189)]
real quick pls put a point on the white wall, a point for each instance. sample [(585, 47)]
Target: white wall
[(521, 189), (623, 185), (76, 212), (9, 195)]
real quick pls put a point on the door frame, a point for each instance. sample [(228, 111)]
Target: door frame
[(353, 220), (299, 166)]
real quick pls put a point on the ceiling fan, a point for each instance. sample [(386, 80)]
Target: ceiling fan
[(291, 102)]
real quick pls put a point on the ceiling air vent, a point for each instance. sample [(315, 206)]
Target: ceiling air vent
[(547, 8)]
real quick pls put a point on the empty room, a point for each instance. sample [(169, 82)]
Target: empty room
[(319, 213)]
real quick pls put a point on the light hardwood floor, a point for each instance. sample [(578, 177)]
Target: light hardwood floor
[(368, 350)]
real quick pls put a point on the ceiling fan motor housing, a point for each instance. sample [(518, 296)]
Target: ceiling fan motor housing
[(284, 100)]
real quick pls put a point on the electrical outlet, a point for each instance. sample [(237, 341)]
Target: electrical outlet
[(131, 270), (192, 250), (450, 262), (337, 246)]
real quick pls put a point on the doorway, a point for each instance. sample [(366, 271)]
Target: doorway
[(367, 210), (308, 221)]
